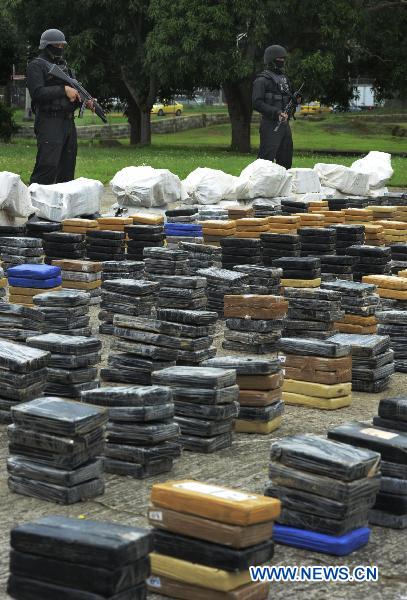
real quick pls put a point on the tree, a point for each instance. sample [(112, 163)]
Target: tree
[(9, 46), (382, 47), (106, 47), (219, 42)]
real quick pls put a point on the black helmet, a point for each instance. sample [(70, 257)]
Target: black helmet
[(273, 52), (50, 37)]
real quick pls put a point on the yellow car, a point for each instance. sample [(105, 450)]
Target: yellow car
[(313, 108), (171, 108)]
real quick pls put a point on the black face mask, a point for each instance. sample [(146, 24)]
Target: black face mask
[(56, 53), (279, 65)]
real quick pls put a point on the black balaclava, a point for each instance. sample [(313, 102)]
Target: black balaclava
[(55, 53)]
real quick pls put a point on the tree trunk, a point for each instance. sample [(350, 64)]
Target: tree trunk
[(145, 130), (238, 97), (134, 118)]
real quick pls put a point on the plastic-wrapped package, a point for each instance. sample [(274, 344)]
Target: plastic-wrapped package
[(323, 485), (58, 444), (165, 327), (338, 545), (58, 416), (14, 195), (384, 518), (393, 408), (245, 365), (262, 179), (195, 376), (145, 351), (55, 493), (21, 359), (261, 413), (216, 412), (142, 455), (325, 457), (96, 580), (71, 390), (203, 428), (72, 361), (128, 396), (309, 347), (95, 543), (392, 445), (180, 589), (209, 186), (210, 554), (22, 379), (25, 242), (62, 298), (363, 345), (377, 165), (320, 524), (26, 469), (131, 287), (147, 434), (31, 589), (205, 395), (187, 317), (147, 187), (155, 467), (65, 344), (346, 180), (61, 201), (59, 461), (206, 445), (234, 536)]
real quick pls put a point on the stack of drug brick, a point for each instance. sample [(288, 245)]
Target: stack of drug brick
[(311, 220), (161, 261), (260, 383), (374, 235), (63, 245), (372, 360), (251, 227), (105, 245), (72, 365), (369, 260), (348, 235), (79, 225), (114, 223), (317, 206), (82, 275), (202, 256), (394, 232), (304, 271), (142, 438), (386, 436), (278, 245), (65, 311), (359, 216), (23, 375), (318, 373), (25, 281), (54, 445), (393, 318), (337, 267), (186, 292), (140, 346), (316, 241), (131, 297), (212, 213), (333, 217), (18, 322), (221, 282), (359, 302), (205, 539), (205, 406), (143, 236), (20, 250), (36, 228), (292, 206), (240, 212), (126, 269), (398, 258), (182, 225), (312, 312), (387, 213), (108, 560), (262, 280), (326, 489), (284, 224), (253, 322), (196, 330), (214, 231), (266, 207), (240, 251)]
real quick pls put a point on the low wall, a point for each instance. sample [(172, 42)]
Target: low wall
[(122, 130)]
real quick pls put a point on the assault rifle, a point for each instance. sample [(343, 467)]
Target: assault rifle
[(56, 71), (290, 106)]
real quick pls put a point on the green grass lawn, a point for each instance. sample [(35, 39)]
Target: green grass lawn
[(184, 151)]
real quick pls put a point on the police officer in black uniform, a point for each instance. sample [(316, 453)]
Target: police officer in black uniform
[(53, 104), (271, 93)]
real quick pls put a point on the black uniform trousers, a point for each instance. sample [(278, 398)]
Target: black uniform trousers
[(56, 149), (276, 145)]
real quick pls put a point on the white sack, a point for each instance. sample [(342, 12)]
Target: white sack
[(344, 179), (61, 201), (304, 181), (377, 165), (146, 186), (263, 179), (14, 195), (209, 186)]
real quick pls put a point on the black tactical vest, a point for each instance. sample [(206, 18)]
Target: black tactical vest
[(278, 91), (56, 105)]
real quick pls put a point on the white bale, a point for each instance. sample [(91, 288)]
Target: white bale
[(67, 200), (304, 181), (14, 196), (344, 179), (146, 186), (377, 165), (209, 186), (263, 179)]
